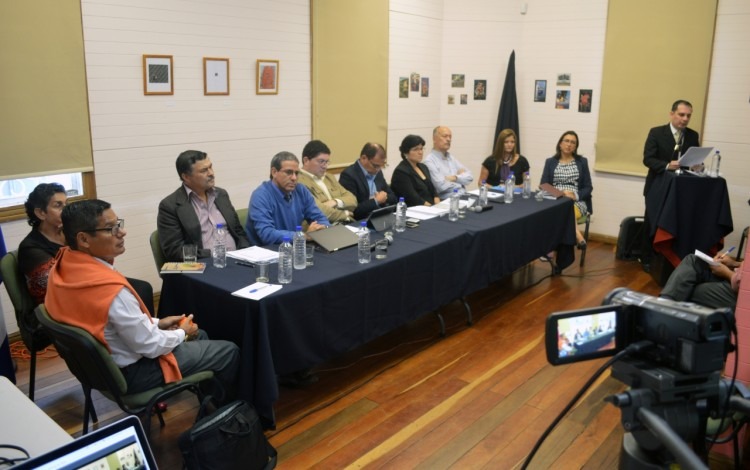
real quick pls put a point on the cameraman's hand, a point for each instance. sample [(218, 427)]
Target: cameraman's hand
[(728, 262)]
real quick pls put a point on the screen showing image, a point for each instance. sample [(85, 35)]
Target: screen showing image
[(586, 334)]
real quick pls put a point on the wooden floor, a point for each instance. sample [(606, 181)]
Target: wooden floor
[(478, 398)]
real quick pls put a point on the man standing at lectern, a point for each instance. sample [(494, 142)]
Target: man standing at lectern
[(664, 146)]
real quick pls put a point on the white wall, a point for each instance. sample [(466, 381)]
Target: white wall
[(137, 138)]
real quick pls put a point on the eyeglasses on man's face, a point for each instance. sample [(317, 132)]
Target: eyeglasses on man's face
[(114, 230)]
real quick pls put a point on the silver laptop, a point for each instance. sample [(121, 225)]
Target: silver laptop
[(119, 445), (334, 238)]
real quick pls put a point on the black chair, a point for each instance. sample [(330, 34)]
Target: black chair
[(741, 249), (93, 366), (33, 335)]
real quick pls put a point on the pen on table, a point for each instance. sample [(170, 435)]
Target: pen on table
[(259, 288), (245, 263), (731, 249)]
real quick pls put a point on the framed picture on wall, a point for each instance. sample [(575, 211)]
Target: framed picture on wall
[(562, 99), (540, 91), (215, 76), (584, 100), (403, 87), (157, 75), (267, 77), (457, 80), (425, 87), (480, 89), (415, 81)]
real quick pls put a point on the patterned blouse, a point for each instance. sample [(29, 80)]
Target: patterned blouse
[(566, 179)]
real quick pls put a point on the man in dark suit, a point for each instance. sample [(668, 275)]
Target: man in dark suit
[(190, 214), (664, 146), (365, 180)]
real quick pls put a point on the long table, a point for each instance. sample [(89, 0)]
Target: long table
[(339, 304)]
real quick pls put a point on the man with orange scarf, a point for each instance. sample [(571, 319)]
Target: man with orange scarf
[(84, 290)]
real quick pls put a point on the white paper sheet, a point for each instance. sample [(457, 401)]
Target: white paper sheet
[(257, 291)]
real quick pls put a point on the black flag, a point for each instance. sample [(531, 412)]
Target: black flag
[(507, 116)]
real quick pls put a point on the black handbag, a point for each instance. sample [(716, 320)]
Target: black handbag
[(230, 438)]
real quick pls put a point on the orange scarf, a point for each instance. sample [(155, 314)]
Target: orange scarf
[(80, 291)]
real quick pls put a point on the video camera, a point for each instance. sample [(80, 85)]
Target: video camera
[(686, 337)]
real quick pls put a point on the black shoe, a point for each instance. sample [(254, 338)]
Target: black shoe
[(646, 267), (581, 245)]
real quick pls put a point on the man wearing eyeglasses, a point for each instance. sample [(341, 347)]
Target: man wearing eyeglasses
[(189, 215), (364, 178), (332, 199), (279, 205), (85, 290)]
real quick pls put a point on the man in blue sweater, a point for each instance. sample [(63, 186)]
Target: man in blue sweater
[(278, 205)]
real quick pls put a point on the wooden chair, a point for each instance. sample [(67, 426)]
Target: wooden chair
[(584, 219), (94, 367), (33, 335)]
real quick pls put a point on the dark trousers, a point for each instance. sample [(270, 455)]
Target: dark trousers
[(693, 281), (221, 357)]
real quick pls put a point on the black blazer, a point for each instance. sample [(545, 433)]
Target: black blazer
[(659, 150), (585, 187), (178, 225), (407, 183), (354, 180)]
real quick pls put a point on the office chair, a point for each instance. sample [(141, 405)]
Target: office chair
[(242, 215), (94, 367), (159, 258), (33, 335)]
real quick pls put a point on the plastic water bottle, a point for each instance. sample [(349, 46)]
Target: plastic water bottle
[(526, 185), (482, 194), (509, 187), (363, 245), (453, 212), (299, 243), (219, 250), (715, 164), (400, 225), (285, 261)]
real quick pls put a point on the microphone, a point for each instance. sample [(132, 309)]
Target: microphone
[(479, 208)]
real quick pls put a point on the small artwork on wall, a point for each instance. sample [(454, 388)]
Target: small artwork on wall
[(562, 99), (451, 99), (403, 87), (584, 101), (157, 75), (414, 82), (480, 89), (464, 98), (267, 77), (457, 80), (540, 91), (563, 79), (425, 87)]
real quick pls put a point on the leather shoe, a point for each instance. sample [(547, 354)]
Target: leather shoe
[(581, 245)]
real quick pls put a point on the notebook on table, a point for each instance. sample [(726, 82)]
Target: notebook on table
[(334, 238), (120, 445), (382, 219)]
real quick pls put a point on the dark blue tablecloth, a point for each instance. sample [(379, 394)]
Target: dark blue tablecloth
[(338, 304)]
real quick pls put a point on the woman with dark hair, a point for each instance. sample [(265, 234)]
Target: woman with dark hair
[(569, 172), (504, 159), (37, 251), (411, 178)]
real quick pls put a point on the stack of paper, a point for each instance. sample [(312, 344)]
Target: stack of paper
[(254, 254), (257, 291)]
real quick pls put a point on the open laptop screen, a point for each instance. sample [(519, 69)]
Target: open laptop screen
[(119, 445)]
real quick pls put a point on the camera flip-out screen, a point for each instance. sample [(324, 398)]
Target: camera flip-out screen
[(584, 334)]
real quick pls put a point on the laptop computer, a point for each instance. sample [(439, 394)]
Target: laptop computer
[(334, 238), (119, 445), (382, 219)]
